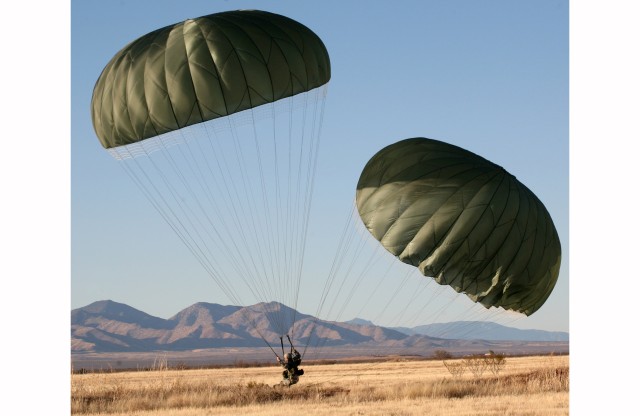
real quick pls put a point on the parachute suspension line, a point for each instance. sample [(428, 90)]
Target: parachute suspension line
[(375, 256), (476, 312), (399, 287), (187, 186), (342, 251), (175, 224), (263, 234), (330, 278), (316, 135), (194, 249), (179, 227), (291, 237), (287, 235), (373, 260), (249, 195), (415, 294), (290, 343), (280, 278), (292, 209), (271, 247), (283, 217), (430, 283), (184, 235), (370, 263), (437, 292), (293, 203), (207, 191), (277, 274), (246, 187), (376, 287), (259, 273), (191, 163), (212, 200), (441, 291), (237, 207), (281, 235), (299, 202), (251, 320), (299, 216)]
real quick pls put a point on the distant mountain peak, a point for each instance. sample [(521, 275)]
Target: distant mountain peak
[(107, 305), (272, 306), (359, 321), (113, 309), (213, 310)]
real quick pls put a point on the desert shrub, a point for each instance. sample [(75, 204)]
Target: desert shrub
[(456, 369), (476, 364), (442, 355), (495, 362)]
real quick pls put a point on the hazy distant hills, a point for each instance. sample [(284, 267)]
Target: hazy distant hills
[(107, 326), (489, 331)]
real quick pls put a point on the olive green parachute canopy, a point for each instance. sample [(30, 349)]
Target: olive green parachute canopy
[(202, 69), (462, 220)]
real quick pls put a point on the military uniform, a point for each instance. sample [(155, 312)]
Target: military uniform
[(291, 372)]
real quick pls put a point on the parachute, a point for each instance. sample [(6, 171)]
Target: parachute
[(462, 220), (202, 69), (217, 121)]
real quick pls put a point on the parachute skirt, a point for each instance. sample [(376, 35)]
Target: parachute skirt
[(222, 126)]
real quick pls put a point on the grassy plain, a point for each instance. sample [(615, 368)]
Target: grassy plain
[(532, 386)]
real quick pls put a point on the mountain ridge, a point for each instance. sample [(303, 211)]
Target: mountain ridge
[(109, 326)]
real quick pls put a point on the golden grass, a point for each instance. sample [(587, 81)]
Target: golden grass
[(537, 386)]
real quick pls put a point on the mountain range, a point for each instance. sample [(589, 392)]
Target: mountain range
[(111, 327)]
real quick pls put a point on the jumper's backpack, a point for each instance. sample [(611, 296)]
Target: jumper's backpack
[(296, 358)]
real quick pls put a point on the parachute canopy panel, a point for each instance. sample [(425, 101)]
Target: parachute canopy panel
[(462, 220), (202, 69)]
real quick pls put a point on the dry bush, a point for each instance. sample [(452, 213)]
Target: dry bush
[(442, 355), (495, 362), (455, 368), (476, 364)]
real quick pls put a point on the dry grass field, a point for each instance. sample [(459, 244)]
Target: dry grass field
[(532, 386)]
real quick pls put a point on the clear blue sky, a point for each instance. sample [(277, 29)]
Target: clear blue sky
[(479, 71), (492, 77)]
